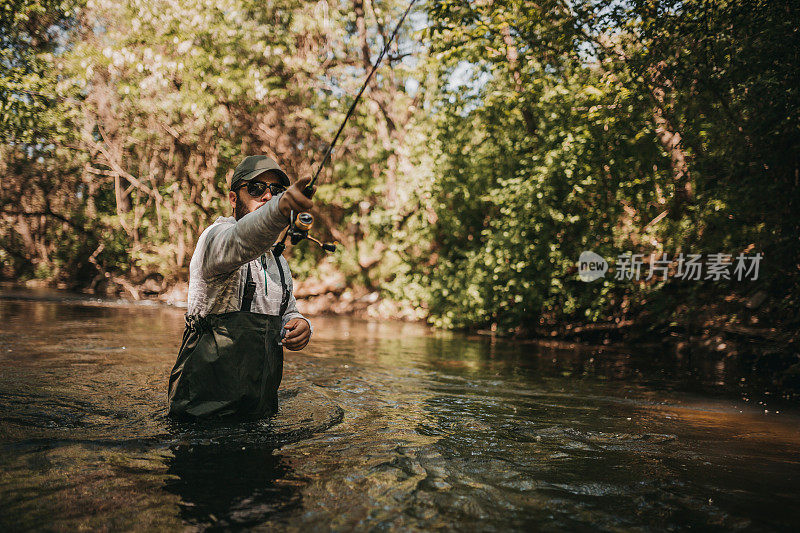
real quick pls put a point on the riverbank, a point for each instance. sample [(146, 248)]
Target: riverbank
[(314, 298), (766, 355)]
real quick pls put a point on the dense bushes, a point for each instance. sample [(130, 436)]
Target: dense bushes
[(500, 140)]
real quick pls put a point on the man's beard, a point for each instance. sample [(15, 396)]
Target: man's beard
[(239, 210)]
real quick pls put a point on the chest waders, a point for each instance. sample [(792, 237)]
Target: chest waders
[(230, 364)]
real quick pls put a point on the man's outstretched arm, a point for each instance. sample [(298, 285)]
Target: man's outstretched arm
[(229, 246)]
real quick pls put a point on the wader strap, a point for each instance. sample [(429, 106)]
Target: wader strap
[(249, 291), (284, 288)]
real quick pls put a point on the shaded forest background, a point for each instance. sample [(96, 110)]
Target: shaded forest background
[(499, 140)]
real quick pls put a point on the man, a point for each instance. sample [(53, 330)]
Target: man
[(241, 307)]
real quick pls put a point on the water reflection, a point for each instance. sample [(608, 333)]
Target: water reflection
[(382, 427), (230, 486)]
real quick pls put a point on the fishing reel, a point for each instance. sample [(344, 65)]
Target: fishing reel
[(298, 230)]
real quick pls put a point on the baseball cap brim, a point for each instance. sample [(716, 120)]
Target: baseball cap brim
[(284, 179)]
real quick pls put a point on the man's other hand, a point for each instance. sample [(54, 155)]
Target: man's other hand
[(294, 199), (298, 333)]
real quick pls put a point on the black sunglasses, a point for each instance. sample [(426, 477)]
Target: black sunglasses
[(256, 189)]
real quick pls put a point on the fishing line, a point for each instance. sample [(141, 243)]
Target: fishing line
[(300, 223), (358, 97)]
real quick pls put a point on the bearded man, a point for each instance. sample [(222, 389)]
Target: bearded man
[(241, 310)]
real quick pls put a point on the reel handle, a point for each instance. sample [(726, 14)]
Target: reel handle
[(298, 231)]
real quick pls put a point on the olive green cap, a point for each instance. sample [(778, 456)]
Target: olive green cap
[(255, 165)]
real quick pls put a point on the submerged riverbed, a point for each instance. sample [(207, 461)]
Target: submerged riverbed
[(382, 426)]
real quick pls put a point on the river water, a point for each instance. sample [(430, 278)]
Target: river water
[(382, 427)]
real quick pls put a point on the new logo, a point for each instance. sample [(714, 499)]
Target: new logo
[(591, 266)]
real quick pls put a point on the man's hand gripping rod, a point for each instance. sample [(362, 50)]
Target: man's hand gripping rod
[(302, 222)]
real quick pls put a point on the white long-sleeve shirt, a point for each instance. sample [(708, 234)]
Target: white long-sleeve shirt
[(218, 270)]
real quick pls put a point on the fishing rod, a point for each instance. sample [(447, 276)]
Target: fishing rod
[(302, 222)]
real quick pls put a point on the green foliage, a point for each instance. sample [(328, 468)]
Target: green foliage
[(570, 129), (31, 102), (162, 99), (490, 150)]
